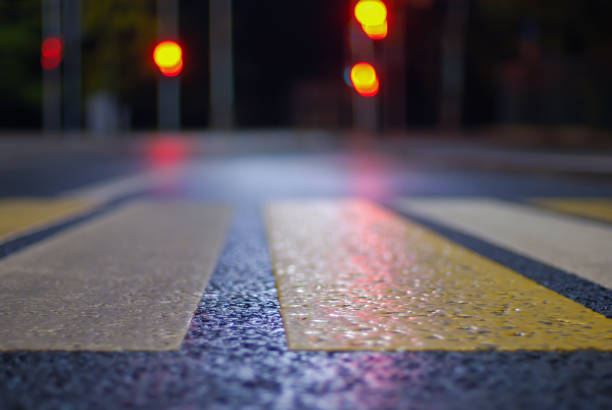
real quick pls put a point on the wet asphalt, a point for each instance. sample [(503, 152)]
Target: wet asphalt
[(235, 353)]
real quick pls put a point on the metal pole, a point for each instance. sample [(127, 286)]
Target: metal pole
[(394, 70), (52, 92), (72, 64), (169, 88), (365, 109), (453, 51), (221, 65)]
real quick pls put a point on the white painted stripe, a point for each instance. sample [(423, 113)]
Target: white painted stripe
[(128, 281), (571, 244)]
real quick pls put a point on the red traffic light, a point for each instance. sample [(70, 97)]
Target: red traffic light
[(364, 79), (51, 52), (168, 57)]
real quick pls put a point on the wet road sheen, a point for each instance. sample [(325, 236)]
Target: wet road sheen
[(235, 354)]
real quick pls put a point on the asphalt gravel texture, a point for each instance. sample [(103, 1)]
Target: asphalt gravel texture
[(235, 353)]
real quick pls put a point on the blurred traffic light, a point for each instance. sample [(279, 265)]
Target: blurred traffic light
[(168, 57), (371, 12), (364, 79), (376, 32), (51, 52), (372, 15)]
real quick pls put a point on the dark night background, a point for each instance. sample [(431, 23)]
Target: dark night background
[(550, 59)]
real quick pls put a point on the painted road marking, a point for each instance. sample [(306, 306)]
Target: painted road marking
[(130, 280), (353, 276), (20, 216), (581, 247), (596, 208)]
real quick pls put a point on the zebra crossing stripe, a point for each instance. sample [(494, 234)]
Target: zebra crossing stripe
[(595, 208), (354, 276), (130, 280), (581, 247), (20, 216)]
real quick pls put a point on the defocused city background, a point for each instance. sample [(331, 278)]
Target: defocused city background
[(530, 69)]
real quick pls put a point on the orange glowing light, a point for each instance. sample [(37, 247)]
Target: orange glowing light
[(376, 32), (168, 57), (364, 79), (371, 12), (172, 71), (369, 91), (51, 53), (363, 74)]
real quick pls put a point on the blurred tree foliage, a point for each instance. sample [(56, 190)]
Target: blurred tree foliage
[(118, 39), (20, 84)]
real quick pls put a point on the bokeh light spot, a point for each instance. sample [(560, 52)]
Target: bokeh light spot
[(371, 12), (347, 76), (167, 150), (364, 79), (376, 32), (168, 57), (51, 52), (172, 71)]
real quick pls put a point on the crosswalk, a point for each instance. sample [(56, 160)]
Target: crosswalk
[(18, 216), (351, 274), (129, 280), (595, 208), (577, 246)]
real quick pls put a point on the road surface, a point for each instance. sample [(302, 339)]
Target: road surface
[(410, 275)]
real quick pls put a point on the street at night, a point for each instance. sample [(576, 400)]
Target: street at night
[(235, 352), (347, 204)]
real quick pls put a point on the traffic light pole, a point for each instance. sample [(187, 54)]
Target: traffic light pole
[(72, 64), (453, 55), (169, 88), (52, 92), (221, 65), (393, 51), (365, 110)]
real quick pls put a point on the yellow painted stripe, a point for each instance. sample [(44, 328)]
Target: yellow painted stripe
[(22, 215), (578, 246), (129, 280), (353, 276), (596, 208)]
